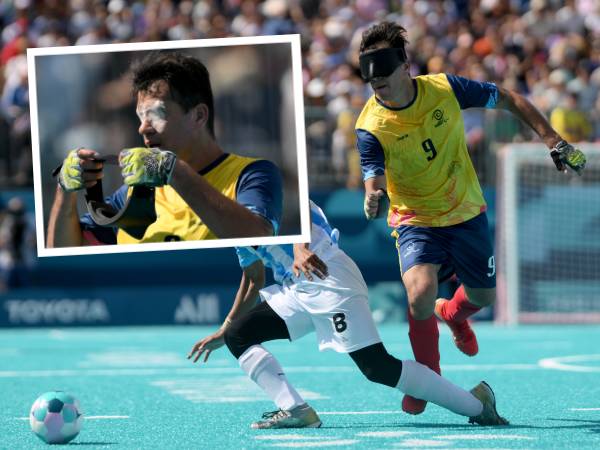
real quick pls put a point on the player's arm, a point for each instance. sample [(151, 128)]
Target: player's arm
[(471, 93), (253, 279), (223, 216), (563, 154), (528, 113), (372, 164), (79, 170)]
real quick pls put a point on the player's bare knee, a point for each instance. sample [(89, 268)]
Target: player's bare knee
[(421, 311), (421, 302)]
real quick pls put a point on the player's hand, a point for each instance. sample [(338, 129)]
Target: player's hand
[(376, 204), (207, 345), (80, 169), (308, 263), (143, 166), (564, 154)]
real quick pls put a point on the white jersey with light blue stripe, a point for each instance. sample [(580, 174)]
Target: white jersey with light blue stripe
[(280, 258)]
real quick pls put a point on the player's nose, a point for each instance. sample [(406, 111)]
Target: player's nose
[(146, 128)]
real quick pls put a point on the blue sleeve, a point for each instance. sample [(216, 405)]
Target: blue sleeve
[(246, 256), (473, 94), (259, 189), (106, 235), (372, 158)]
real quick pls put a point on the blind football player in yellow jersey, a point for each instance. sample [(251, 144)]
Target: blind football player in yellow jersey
[(201, 192), (417, 170)]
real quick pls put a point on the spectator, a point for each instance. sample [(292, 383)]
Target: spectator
[(570, 122), (543, 48)]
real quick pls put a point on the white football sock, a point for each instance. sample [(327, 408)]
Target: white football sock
[(262, 367), (421, 382)]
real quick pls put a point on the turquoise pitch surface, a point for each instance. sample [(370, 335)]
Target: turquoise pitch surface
[(138, 391)]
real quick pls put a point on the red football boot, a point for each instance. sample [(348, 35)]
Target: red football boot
[(463, 334), (413, 405)]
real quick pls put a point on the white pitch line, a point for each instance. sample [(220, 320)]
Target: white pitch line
[(337, 443), (135, 371), (88, 417), (298, 437), (565, 363), (419, 443), (144, 371), (483, 436), (383, 434), (356, 413), (584, 409), (479, 367)]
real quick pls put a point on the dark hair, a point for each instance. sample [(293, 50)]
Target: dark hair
[(187, 77), (389, 32)]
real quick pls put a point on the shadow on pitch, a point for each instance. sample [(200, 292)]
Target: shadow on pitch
[(594, 425), (92, 443), (404, 425)]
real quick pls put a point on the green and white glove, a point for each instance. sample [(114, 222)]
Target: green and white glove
[(152, 167), (70, 175), (564, 154)]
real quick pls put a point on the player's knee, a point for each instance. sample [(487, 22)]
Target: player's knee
[(235, 337), (421, 300), (481, 297), (421, 309), (377, 365), (383, 372)]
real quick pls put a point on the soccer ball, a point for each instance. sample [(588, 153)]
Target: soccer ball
[(56, 417)]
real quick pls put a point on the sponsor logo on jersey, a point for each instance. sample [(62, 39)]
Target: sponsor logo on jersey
[(438, 117), (412, 248)]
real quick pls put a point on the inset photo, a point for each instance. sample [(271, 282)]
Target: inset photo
[(168, 145)]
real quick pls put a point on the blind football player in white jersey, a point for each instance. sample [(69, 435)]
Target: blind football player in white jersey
[(319, 288)]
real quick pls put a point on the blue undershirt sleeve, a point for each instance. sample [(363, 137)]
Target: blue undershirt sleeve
[(246, 256), (372, 158), (473, 94), (259, 189), (106, 235)]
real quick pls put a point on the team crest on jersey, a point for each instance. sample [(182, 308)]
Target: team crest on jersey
[(438, 117)]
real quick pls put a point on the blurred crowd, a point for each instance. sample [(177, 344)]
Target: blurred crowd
[(548, 50), (17, 243)]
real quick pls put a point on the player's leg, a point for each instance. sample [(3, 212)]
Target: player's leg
[(414, 379), (473, 258), (421, 286), (244, 337)]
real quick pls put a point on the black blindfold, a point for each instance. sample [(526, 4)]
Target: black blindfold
[(380, 62)]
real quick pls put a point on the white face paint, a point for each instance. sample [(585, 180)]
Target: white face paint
[(155, 112)]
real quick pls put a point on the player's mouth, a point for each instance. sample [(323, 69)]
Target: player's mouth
[(151, 144), (379, 86)]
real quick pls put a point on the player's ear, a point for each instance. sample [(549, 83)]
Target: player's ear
[(200, 114)]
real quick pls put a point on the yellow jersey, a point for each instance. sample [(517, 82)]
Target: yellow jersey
[(254, 183), (421, 149)]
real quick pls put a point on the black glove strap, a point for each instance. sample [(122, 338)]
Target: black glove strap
[(137, 214), (557, 161)]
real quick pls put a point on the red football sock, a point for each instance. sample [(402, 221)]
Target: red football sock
[(458, 309), (424, 339)]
